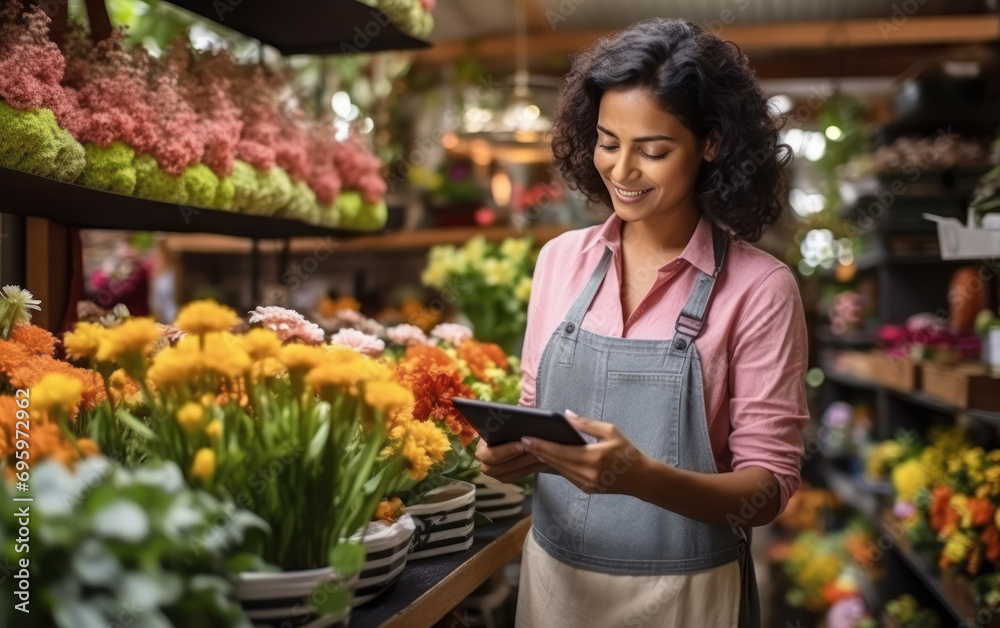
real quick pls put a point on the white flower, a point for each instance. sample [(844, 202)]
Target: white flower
[(348, 318), (452, 332), (359, 341), (287, 324)]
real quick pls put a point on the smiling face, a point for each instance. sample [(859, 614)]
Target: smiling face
[(648, 159)]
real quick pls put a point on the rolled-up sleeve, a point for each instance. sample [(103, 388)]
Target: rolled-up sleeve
[(769, 356)]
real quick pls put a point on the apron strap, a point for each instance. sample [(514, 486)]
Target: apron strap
[(692, 317), (582, 303)]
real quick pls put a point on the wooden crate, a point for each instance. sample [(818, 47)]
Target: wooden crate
[(962, 385), (900, 373)]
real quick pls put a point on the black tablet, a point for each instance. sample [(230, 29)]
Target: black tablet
[(500, 423)]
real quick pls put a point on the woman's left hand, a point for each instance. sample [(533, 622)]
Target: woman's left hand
[(611, 465)]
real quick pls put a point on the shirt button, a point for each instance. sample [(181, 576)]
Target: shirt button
[(680, 344), (570, 327)]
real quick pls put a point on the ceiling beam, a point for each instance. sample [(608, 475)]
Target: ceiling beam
[(883, 32)]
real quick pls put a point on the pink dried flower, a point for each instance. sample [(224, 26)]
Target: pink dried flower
[(452, 332), (180, 142), (359, 341), (287, 324), (407, 335), (32, 66), (208, 85)]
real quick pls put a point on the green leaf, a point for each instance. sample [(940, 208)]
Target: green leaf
[(347, 558), (479, 519), (332, 598), (137, 426)]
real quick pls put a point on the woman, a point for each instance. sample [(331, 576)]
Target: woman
[(684, 345)]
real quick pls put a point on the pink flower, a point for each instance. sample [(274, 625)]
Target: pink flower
[(847, 613), (359, 341), (347, 318), (287, 324), (902, 509), (428, 5), (452, 332), (407, 335)]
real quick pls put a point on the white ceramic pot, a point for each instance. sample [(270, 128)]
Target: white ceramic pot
[(273, 599), (387, 545), (443, 521), (496, 499)]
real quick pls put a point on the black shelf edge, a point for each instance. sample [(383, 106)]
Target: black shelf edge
[(78, 206), (856, 339), (850, 491), (850, 380), (308, 26)]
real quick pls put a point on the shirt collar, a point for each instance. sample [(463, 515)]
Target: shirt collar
[(699, 251)]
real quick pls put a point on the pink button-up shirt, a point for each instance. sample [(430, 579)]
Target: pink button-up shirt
[(753, 345)]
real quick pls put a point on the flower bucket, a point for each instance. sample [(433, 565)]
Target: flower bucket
[(283, 598), (444, 520), (387, 545), (496, 499)]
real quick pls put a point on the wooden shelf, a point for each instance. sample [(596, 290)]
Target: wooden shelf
[(430, 588), (918, 398), (398, 241), (308, 26), (78, 206)]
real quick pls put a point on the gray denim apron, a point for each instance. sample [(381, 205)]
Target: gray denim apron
[(652, 391)]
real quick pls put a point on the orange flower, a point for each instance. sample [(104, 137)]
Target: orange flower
[(12, 355), (33, 367), (991, 540), (481, 356), (427, 357), (833, 593), (432, 393), (8, 423), (389, 510), (981, 510), (34, 339), (944, 519), (861, 549)]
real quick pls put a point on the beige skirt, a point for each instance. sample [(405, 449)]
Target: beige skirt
[(553, 594)]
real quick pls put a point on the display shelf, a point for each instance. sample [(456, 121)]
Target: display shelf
[(307, 26), (78, 206), (430, 588), (852, 492), (920, 399), (398, 241)]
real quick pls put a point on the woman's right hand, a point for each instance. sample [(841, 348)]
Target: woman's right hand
[(507, 462)]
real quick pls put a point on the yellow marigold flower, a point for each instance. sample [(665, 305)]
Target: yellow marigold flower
[(266, 368), (202, 317), (261, 343), (134, 336), (297, 356), (88, 447), (214, 429), (173, 366), (957, 547), (522, 292), (190, 414), (224, 354), (424, 445), (123, 388), (204, 464), (56, 391), (908, 478), (387, 396), (330, 374), (960, 504), (84, 340)]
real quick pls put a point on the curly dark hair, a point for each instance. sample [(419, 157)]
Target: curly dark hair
[(705, 82)]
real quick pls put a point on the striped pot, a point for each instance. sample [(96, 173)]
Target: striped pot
[(497, 500), (283, 599), (443, 521), (387, 545)]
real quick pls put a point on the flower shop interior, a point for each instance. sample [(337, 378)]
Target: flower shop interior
[(251, 250)]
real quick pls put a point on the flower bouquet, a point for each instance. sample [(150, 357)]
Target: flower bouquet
[(489, 283), (290, 431)]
